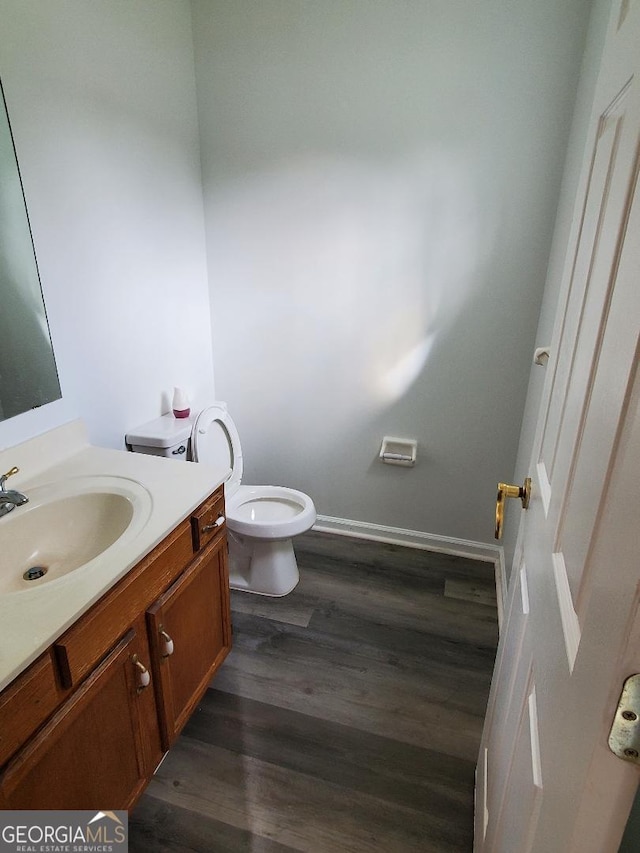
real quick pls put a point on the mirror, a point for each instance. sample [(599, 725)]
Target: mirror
[(28, 375)]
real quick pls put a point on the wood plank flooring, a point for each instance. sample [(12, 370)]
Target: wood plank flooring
[(347, 718)]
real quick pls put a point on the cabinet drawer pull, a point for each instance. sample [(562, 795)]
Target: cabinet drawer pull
[(168, 644), (144, 679), (217, 523)]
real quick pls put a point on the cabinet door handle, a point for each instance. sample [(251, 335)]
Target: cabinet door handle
[(168, 644), (144, 679), (217, 523)]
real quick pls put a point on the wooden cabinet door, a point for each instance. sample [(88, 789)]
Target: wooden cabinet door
[(190, 635), (95, 751)]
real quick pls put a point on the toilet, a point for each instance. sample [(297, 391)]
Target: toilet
[(261, 520)]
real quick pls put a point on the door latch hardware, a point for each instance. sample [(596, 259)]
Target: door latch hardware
[(624, 738), (506, 490)]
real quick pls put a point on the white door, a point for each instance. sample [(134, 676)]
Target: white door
[(547, 781)]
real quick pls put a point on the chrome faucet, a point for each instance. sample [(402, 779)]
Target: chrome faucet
[(10, 499)]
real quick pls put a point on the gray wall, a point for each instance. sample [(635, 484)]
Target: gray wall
[(101, 97), (380, 182)]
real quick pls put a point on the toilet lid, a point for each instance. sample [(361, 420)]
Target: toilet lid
[(215, 440)]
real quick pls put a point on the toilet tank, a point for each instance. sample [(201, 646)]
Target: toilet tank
[(165, 436)]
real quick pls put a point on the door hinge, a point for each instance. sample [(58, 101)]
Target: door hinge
[(624, 738)]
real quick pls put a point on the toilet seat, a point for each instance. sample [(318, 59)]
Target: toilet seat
[(215, 439), (263, 512), (270, 512)]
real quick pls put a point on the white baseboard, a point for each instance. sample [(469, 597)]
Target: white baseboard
[(410, 538), (428, 542)]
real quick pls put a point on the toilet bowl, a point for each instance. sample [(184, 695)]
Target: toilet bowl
[(261, 520)]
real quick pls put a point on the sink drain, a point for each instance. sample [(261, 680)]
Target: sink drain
[(34, 573)]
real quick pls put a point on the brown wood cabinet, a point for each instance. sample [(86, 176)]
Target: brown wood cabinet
[(189, 637), (86, 725)]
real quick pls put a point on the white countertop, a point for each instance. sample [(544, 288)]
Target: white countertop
[(30, 620)]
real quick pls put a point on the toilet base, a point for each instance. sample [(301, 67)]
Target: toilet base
[(262, 566)]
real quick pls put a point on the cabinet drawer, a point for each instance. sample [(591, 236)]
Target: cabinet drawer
[(86, 643), (27, 703), (208, 520)]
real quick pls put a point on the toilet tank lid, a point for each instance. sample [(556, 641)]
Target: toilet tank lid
[(161, 432)]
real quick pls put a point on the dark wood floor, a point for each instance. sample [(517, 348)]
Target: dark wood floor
[(347, 717)]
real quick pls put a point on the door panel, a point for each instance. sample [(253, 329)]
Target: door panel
[(558, 678), (607, 394), (525, 780), (582, 287), (503, 710)]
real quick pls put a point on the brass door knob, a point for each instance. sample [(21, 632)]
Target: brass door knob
[(506, 490)]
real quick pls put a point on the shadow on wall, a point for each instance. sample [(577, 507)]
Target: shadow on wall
[(362, 269)]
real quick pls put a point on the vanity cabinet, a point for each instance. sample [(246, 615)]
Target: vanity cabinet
[(87, 724), (95, 747), (189, 640)]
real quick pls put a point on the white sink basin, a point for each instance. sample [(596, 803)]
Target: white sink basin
[(66, 526)]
